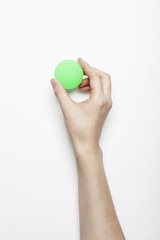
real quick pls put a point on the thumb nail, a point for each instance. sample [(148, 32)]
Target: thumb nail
[(54, 82)]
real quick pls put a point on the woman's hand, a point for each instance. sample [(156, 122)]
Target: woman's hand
[(84, 120)]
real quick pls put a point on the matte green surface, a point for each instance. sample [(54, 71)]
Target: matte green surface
[(69, 73)]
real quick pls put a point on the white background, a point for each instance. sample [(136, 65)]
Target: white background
[(38, 181)]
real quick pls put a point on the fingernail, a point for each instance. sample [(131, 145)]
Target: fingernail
[(54, 82)]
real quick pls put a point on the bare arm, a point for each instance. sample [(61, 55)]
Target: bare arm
[(84, 121)]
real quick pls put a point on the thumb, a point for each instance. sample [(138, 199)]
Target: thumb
[(61, 94)]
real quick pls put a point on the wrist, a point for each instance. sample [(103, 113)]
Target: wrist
[(86, 147), (88, 155)]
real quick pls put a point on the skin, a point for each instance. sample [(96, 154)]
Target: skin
[(84, 122)]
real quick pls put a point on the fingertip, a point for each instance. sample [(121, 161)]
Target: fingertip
[(79, 59), (54, 82), (82, 60), (84, 89), (52, 79), (84, 83), (80, 84)]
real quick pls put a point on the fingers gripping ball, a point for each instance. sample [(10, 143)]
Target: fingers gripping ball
[(69, 73)]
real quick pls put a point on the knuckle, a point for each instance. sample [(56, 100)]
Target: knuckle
[(96, 71), (92, 72), (107, 76), (102, 102), (96, 75), (109, 104)]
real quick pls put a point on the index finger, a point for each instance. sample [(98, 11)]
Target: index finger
[(94, 79), (106, 82)]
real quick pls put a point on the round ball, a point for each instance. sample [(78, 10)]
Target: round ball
[(69, 73)]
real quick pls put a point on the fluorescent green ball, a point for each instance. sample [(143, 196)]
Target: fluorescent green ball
[(69, 73)]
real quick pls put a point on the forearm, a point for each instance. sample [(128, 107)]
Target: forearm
[(98, 220)]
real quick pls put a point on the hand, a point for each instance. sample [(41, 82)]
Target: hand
[(84, 120)]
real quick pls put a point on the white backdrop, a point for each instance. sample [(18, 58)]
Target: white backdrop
[(38, 181)]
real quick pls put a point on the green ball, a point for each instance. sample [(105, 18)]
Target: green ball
[(69, 73)]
